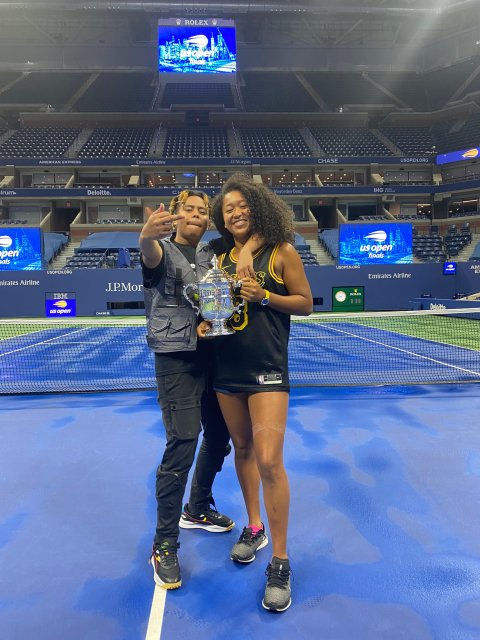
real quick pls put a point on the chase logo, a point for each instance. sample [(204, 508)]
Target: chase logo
[(471, 153), (377, 236), (5, 242)]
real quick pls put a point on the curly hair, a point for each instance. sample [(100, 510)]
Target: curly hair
[(271, 217), (183, 195)]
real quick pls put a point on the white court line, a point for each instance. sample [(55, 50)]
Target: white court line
[(36, 344), (411, 353), (155, 621)]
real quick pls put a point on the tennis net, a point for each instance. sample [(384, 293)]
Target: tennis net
[(382, 348)]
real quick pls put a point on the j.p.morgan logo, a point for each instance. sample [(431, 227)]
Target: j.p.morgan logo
[(123, 286)]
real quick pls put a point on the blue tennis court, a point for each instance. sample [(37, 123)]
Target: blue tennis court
[(383, 533)]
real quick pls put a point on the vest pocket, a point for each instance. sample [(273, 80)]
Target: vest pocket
[(174, 326)]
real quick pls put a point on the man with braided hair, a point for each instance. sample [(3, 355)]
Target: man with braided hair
[(172, 257)]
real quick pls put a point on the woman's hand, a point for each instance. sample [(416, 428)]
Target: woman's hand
[(202, 328), (251, 291)]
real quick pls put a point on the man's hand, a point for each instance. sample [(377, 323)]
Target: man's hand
[(159, 224), (245, 264)]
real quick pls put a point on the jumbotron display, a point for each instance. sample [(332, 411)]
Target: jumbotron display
[(379, 243), (197, 46), (20, 249)]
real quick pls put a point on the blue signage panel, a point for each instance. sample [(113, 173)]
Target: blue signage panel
[(379, 243), (449, 268), (98, 291), (458, 156), (213, 162), (20, 249), (142, 192), (60, 305)]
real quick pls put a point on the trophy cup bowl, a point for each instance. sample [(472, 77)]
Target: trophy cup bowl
[(216, 303)]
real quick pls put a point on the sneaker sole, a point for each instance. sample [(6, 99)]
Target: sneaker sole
[(260, 546), (274, 609), (213, 528)]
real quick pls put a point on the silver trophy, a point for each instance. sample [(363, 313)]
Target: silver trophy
[(215, 294)]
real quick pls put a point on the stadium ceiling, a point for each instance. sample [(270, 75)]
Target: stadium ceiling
[(331, 7)]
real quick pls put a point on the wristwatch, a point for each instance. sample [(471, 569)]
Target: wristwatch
[(266, 299)]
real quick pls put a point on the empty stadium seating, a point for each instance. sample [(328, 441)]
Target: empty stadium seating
[(328, 238), (349, 142), (118, 142), (429, 248), (464, 138), (196, 142), (307, 257), (42, 142), (53, 243), (411, 140), (273, 142)]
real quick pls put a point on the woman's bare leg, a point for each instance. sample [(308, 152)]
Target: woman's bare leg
[(235, 411), (268, 415)]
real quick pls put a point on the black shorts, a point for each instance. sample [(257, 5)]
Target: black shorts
[(250, 389)]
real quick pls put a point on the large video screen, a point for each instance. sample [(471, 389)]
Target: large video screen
[(20, 249), (379, 243), (458, 156), (197, 46)]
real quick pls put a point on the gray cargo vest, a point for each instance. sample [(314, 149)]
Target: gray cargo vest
[(171, 320)]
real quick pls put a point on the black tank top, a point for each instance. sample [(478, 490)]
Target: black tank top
[(255, 357)]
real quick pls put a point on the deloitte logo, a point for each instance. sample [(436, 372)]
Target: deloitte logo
[(5, 242)]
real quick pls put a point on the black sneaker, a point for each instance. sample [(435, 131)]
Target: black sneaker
[(166, 570), (248, 543), (277, 592), (209, 520)]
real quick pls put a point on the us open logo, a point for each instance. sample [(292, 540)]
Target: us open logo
[(377, 236), (375, 244), (5, 242)]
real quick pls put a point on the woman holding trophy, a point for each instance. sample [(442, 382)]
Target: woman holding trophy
[(251, 366), (172, 257)]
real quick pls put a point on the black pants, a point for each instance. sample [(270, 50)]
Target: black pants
[(188, 402)]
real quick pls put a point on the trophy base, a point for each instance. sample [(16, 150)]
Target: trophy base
[(219, 328)]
